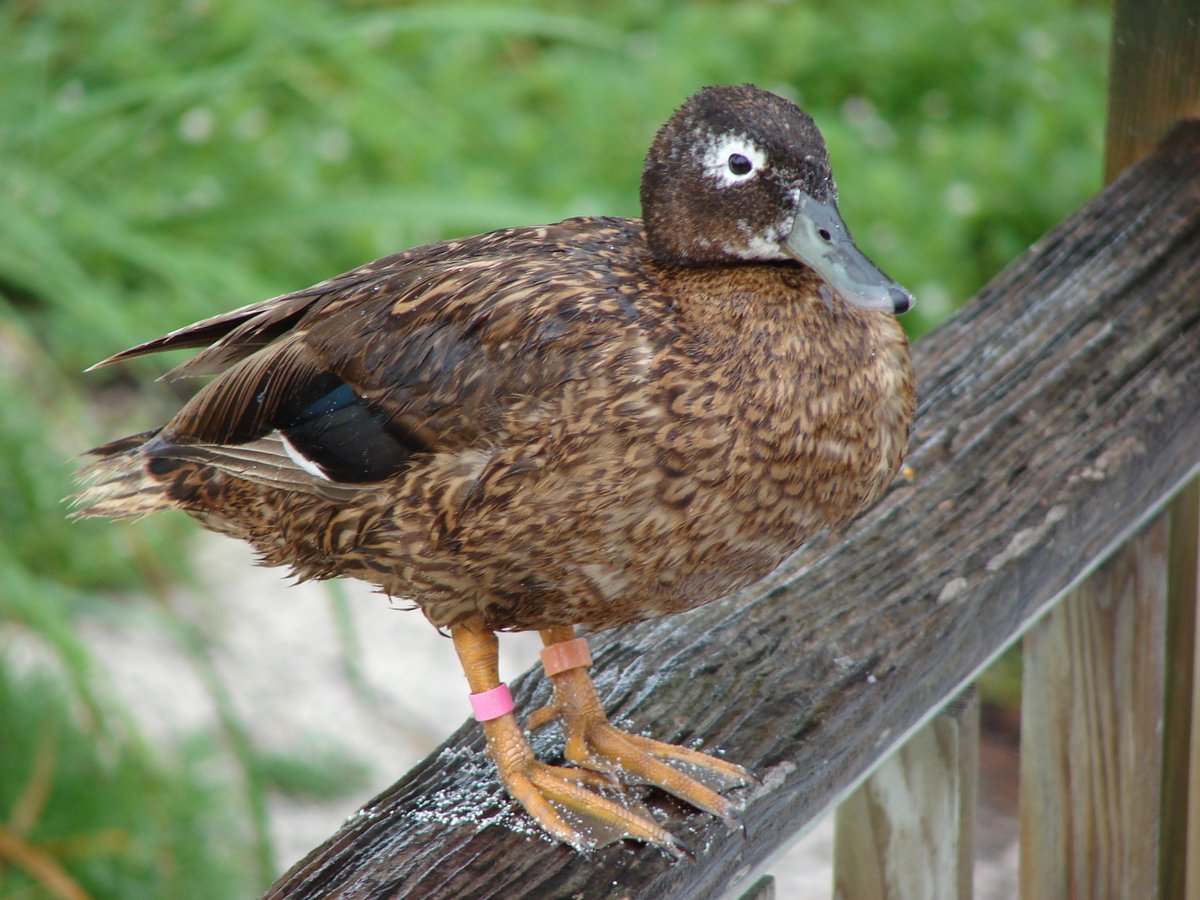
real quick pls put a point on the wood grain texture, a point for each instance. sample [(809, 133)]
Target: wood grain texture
[(1181, 707), (1154, 76), (1191, 845), (1091, 732), (1058, 410), (907, 832)]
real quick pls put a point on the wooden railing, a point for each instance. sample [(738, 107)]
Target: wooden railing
[(1053, 496)]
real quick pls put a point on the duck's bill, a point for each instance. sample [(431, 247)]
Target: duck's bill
[(820, 239)]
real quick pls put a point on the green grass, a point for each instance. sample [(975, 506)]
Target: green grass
[(172, 160), (120, 820)]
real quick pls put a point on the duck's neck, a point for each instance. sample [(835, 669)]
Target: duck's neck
[(787, 345), (823, 391), (775, 311)]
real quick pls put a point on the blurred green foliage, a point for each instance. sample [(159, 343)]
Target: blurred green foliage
[(161, 161), (108, 811)]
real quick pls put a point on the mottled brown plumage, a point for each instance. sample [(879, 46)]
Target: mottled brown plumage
[(591, 422)]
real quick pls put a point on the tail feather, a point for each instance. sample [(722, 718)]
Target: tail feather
[(118, 483), (143, 473)]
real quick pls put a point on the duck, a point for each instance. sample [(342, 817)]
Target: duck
[(582, 424)]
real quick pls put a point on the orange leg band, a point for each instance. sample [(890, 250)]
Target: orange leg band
[(565, 655)]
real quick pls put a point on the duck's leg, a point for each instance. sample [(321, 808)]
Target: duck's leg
[(593, 742), (555, 797)]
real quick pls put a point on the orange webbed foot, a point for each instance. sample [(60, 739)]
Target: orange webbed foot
[(594, 743), (583, 807), (577, 806)]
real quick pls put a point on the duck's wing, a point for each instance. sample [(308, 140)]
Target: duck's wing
[(426, 352), (232, 336)]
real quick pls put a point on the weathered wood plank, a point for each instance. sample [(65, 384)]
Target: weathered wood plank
[(1181, 709), (1058, 409), (1091, 732), (907, 832)]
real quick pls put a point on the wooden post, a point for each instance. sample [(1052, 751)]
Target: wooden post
[(1070, 844), (908, 830), (1154, 76), (1091, 732), (763, 889), (1154, 82), (1181, 726)]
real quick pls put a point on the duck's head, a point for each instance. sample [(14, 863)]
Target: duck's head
[(739, 174)]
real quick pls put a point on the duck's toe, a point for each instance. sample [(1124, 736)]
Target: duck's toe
[(565, 804), (594, 743), (692, 776)]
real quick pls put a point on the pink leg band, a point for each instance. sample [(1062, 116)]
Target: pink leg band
[(560, 657), (492, 704)]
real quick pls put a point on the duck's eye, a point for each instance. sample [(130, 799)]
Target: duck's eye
[(732, 159), (739, 165)]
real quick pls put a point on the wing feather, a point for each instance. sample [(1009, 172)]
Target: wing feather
[(433, 350)]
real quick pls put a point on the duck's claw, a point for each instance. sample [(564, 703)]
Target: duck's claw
[(572, 805), (576, 806), (584, 805), (595, 743)]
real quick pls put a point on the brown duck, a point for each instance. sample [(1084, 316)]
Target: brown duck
[(586, 423)]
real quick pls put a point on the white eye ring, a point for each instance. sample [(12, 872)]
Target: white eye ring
[(732, 159)]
